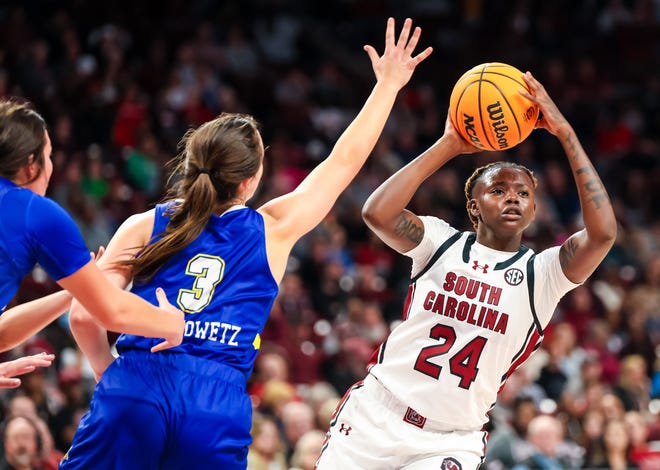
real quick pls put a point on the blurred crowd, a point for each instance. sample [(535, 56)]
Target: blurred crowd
[(120, 82)]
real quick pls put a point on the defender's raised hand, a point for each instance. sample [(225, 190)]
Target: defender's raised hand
[(397, 63)]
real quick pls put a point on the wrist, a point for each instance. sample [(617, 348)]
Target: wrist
[(446, 148), (388, 86)]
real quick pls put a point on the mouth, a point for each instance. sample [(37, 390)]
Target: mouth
[(511, 213)]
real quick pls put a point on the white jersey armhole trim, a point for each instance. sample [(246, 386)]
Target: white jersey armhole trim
[(552, 285), (436, 231)]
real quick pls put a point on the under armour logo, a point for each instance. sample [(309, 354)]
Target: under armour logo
[(476, 266), (345, 429)]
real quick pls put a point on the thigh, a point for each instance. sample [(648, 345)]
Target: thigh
[(455, 461), (117, 432), (458, 450), (126, 425), (212, 420), (359, 436)]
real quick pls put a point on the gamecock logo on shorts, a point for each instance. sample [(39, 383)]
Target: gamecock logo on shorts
[(414, 418), (450, 463)]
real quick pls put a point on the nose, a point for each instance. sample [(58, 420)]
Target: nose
[(512, 197)]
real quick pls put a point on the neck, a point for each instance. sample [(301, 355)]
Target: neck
[(497, 242)]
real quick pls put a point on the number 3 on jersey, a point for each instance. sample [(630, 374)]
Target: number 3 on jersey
[(462, 364), (208, 272)]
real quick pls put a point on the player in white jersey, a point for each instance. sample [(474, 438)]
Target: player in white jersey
[(476, 307)]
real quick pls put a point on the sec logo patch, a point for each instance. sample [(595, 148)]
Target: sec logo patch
[(513, 276)]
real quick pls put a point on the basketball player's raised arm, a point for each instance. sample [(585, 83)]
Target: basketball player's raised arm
[(581, 254), (385, 210), (290, 216)]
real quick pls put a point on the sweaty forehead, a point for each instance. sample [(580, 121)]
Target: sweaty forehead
[(510, 175)]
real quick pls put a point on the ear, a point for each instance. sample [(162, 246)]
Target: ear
[(244, 185), (27, 172), (243, 190), (473, 208)]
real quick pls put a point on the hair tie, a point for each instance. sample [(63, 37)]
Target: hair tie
[(203, 170)]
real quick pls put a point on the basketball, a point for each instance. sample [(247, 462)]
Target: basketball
[(487, 110)]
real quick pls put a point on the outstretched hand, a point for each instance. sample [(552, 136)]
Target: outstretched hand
[(397, 63), (166, 306), (551, 119), (23, 365)]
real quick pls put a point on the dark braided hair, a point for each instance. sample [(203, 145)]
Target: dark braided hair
[(481, 171)]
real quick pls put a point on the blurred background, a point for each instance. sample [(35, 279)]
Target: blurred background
[(120, 82)]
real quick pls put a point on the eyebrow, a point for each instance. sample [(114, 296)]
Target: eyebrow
[(503, 183)]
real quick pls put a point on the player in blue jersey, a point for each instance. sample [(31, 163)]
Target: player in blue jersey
[(476, 309), (222, 262), (34, 229)]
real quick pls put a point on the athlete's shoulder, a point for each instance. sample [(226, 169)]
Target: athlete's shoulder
[(43, 212)]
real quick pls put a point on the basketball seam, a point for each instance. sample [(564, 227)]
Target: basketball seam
[(513, 114), (481, 118)]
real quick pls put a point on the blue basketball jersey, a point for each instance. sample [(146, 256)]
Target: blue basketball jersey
[(223, 283), (35, 229)]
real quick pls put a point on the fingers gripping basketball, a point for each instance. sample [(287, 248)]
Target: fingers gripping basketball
[(487, 110)]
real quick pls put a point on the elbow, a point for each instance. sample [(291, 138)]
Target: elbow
[(79, 317), (609, 234), (371, 216)]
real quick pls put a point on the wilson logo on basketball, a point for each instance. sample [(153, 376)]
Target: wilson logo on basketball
[(513, 276), (496, 116)]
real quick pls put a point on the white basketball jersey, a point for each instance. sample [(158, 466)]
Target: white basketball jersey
[(471, 317)]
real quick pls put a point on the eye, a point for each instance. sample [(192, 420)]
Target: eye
[(524, 193), (497, 191)]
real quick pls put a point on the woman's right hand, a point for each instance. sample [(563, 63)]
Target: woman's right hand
[(397, 64), (177, 336)]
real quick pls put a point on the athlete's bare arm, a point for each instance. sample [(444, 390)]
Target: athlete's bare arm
[(385, 210), (291, 216), (89, 333), (581, 254), (22, 321), (19, 323)]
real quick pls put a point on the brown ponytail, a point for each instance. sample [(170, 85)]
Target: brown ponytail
[(214, 159)]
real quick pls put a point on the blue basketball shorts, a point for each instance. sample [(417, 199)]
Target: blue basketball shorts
[(164, 411)]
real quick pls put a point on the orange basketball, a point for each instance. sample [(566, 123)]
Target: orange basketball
[(487, 110)]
